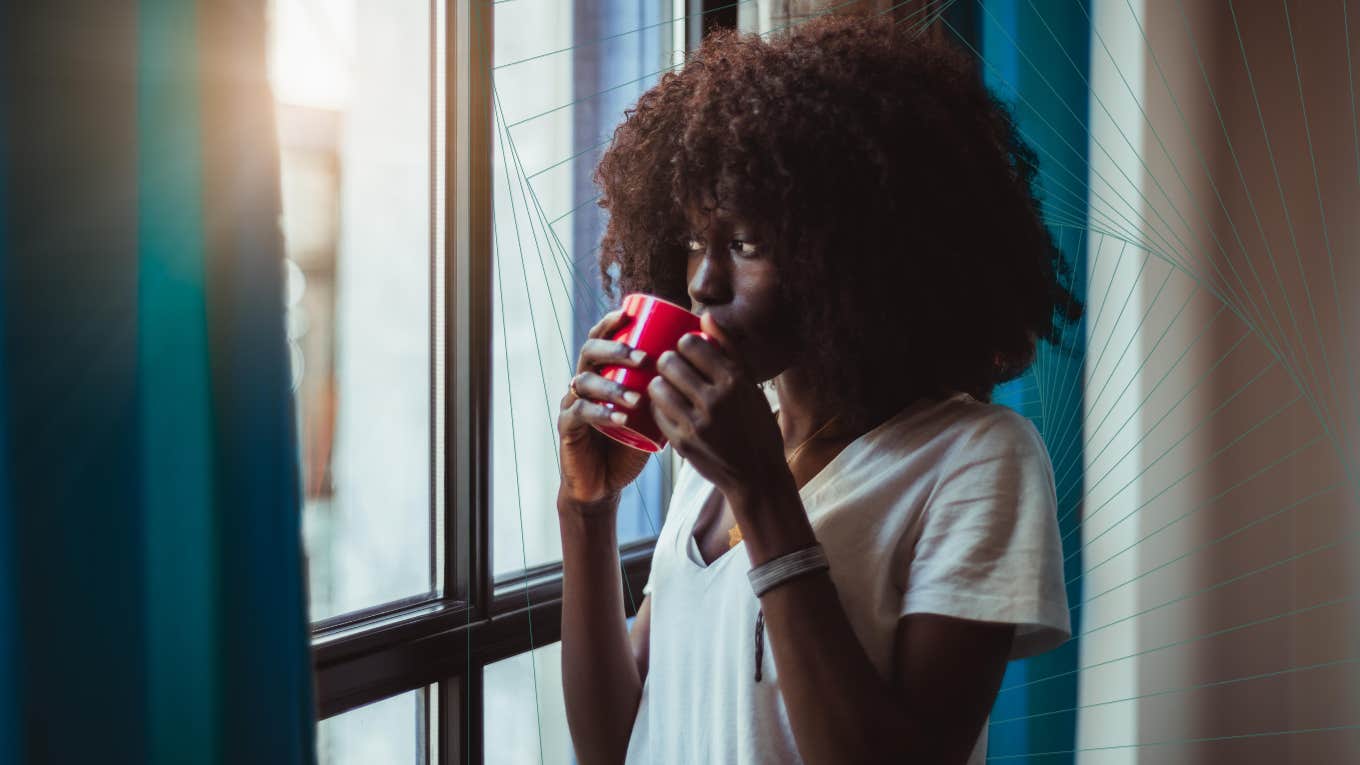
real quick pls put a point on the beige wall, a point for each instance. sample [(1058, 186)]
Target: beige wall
[(1179, 163)]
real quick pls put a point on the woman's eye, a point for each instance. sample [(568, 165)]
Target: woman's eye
[(737, 246), (742, 247)]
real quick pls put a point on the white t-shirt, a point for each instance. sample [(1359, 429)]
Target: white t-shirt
[(946, 508)]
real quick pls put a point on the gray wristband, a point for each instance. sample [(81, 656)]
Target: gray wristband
[(773, 573)]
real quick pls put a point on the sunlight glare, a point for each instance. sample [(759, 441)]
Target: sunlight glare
[(311, 52)]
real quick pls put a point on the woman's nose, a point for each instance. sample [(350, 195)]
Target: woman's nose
[(711, 282)]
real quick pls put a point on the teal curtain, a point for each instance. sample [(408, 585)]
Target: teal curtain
[(9, 660), (152, 601), (1035, 54)]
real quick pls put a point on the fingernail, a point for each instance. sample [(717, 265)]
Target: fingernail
[(632, 397), (619, 418), (637, 356)]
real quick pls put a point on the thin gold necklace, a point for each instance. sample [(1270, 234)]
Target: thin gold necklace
[(734, 533)]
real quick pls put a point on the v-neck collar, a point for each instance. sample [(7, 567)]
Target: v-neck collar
[(861, 441)]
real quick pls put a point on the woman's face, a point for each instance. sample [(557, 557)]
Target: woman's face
[(733, 277)]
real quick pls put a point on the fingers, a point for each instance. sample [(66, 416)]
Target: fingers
[(597, 353), (678, 428), (576, 417), (596, 388), (707, 359), (606, 325), (669, 402), (680, 373), (671, 426), (592, 388)]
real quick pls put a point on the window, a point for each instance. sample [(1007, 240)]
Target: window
[(441, 229), (526, 714), (353, 111), (547, 226), (392, 730)]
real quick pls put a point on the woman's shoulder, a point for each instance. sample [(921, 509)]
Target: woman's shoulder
[(985, 417), (980, 431), (959, 423)]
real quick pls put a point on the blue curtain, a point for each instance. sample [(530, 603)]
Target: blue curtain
[(1035, 54), (152, 602), (9, 659)]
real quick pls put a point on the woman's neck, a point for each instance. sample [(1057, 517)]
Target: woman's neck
[(802, 414)]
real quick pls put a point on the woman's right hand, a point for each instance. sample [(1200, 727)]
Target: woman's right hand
[(595, 467)]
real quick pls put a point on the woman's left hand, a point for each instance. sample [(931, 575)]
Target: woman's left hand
[(716, 417)]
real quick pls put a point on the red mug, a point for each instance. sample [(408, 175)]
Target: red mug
[(654, 326)]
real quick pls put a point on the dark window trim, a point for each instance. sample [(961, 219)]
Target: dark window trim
[(444, 639), (435, 641)]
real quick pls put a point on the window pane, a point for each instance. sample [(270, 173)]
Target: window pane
[(525, 716), (389, 731), (593, 60), (351, 81)]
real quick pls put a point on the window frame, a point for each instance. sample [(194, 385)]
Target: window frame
[(445, 638)]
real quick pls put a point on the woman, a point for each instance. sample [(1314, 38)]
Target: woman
[(853, 216)]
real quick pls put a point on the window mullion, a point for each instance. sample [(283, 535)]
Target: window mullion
[(469, 323)]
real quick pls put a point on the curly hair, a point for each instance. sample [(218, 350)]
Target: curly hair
[(892, 188)]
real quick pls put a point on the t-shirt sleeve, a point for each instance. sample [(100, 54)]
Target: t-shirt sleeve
[(989, 547)]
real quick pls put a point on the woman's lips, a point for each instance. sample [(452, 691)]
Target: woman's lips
[(727, 338), (723, 332)]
